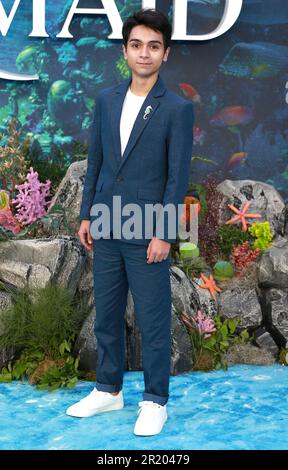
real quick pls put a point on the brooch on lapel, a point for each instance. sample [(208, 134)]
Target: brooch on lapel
[(147, 111)]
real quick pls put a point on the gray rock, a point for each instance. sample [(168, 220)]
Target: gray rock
[(248, 354), (265, 341), (264, 197), (273, 265), (69, 196), (277, 299), (207, 304), (86, 344), (36, 262), (241, 303), (5, 300)]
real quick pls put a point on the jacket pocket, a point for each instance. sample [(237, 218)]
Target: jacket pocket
[(150, 194)]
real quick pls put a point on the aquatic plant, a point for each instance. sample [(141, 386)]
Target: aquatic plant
[(283, 356), (123, 68), (229, 236), (192, 266), (211, 339), (12, 160), (242, 256), (209, 223), (262, 232), (223, 270), (31, 202), (41, 325)]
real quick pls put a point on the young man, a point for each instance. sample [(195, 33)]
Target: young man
[(140, 150)]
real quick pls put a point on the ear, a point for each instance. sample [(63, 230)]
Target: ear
[(165, 58), (124, 51)]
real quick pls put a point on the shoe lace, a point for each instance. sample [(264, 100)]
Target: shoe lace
[(147, 404)]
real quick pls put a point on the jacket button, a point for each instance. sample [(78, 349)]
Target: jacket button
[(119, 179)]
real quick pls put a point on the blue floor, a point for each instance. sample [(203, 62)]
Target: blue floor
[(243, 408)]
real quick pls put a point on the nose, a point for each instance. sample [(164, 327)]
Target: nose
[(144, 51)]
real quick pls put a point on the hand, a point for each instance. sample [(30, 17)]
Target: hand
[(157, 250), (84, 235)]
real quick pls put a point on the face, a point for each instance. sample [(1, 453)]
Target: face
[(145, 51)]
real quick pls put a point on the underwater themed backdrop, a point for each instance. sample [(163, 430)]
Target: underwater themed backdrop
[(238, 83)]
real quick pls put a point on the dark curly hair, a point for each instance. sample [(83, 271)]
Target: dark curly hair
[(151, 18)]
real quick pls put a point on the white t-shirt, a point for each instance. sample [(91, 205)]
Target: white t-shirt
[(130, 110)]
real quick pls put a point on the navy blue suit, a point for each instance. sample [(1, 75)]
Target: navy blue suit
[(153, 169)]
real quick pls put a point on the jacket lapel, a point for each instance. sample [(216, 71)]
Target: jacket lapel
[(157, 90)]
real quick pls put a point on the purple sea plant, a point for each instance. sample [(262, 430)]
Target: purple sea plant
[(31, 202)]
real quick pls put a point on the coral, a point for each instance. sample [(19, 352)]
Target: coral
[(242, 256), (241, 215), (31, 200), (223, 270), (210, 285), (8, 221), (263, 235)]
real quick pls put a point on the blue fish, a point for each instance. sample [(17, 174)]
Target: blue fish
[(255, 60)]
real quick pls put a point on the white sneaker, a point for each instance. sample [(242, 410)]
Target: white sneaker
[(96, 402), (151, 419)]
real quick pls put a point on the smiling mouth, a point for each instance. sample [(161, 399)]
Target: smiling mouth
[(139, 63)]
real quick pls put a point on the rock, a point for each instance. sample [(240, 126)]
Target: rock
[(5, 300), (273, 265), (183, 292), (264, 197), (241, 303), (246, 353), (36, 262), (69, 196), (181, 355), (277, 302), (181, 360), (6, 356), (265, 341), (86, 344), (207, 304)]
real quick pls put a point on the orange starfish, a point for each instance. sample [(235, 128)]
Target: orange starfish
[(210, 285), (241, 215)]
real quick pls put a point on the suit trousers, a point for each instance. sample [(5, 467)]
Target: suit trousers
[(117, 266)]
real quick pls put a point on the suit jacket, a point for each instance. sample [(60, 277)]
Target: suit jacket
[(156, 162)]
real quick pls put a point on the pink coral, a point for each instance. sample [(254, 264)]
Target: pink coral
[(8, 221), (31, 200)]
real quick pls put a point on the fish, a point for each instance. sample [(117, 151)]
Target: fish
[(253, 11), (204, 160), (255, 60), (236, 159), (199, 135), (232, 116), (190, 92)]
